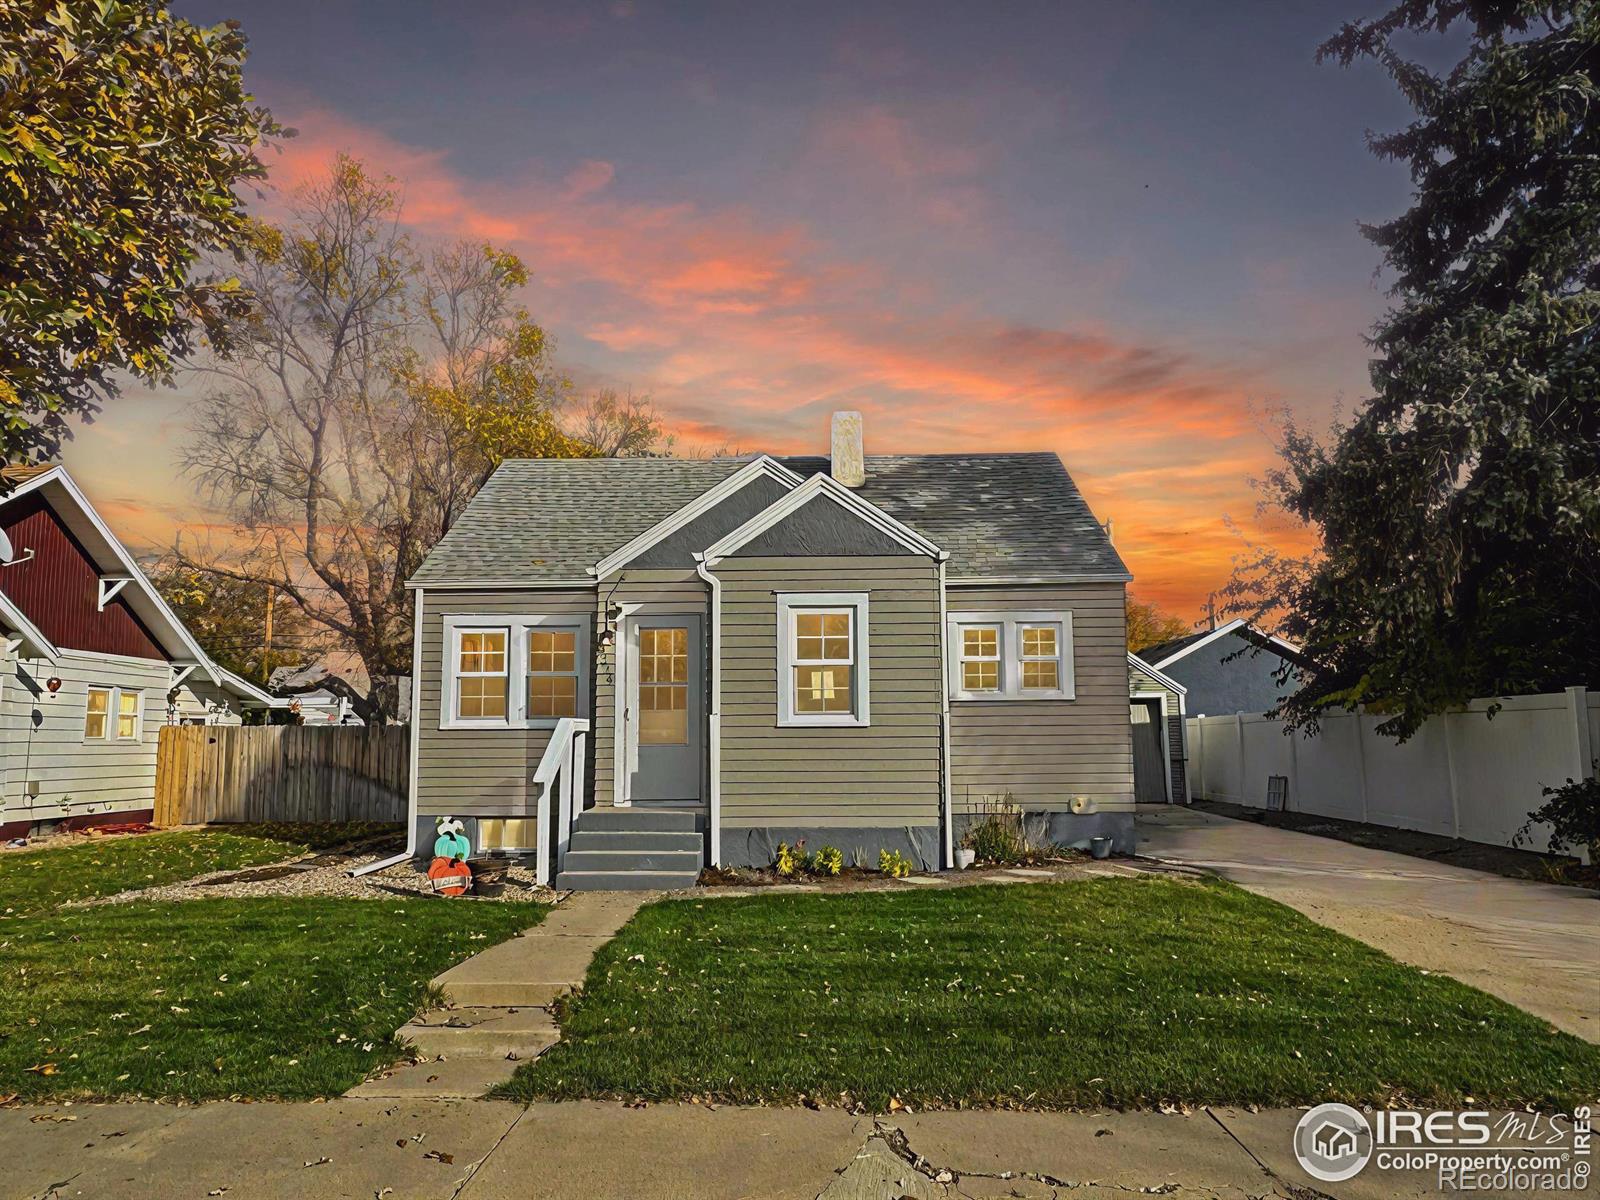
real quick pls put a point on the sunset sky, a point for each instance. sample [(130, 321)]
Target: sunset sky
[(1119, 232)]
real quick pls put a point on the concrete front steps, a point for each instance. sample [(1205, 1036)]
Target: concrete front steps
[(634, 849), (497, 1010)]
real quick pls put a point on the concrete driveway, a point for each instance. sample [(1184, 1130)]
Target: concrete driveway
[(1536, 945)]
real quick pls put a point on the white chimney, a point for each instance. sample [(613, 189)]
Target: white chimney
[(849, 460)]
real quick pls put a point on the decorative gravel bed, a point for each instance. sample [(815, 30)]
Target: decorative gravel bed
[(326, 875)]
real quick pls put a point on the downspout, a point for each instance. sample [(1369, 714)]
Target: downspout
[(714, 719), (416, 738), (944, 716)]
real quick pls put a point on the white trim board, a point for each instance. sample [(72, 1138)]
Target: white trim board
[(501, 585), (1222, 631), (1030, 580), (824, 487), (699, 506), (37, 645)]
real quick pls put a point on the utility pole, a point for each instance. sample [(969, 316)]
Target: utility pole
[(266, 649), (1211, 610)]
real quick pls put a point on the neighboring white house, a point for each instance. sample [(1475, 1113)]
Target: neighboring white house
[(92, 663)]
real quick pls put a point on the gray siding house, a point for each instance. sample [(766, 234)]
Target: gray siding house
[(1230, 669), (633, 667)]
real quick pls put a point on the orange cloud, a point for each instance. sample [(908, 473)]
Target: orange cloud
[(749, 331)]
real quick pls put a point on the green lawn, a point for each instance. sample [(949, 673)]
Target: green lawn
[(1106, 992), (286, 998), (34, 881)]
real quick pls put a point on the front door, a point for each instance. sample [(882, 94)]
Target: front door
[(665, 713)]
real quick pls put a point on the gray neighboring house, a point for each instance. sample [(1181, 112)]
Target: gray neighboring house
[(677, 661), (1230, 669)]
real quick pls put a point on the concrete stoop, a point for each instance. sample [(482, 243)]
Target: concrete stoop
[(498, 1013)]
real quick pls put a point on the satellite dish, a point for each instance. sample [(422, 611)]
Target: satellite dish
[(6, 552)]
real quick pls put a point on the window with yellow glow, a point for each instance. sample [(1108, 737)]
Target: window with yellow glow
[(552, 672), (1040, 656), (98, 714), (823, 658), (980, 657), (664, 686), (128, 705), (481, 674)]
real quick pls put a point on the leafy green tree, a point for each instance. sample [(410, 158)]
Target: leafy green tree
[(1459, 510), (124, 132)]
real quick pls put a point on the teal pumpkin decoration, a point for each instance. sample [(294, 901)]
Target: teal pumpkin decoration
[(452, 841)]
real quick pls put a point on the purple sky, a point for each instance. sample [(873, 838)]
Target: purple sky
[(1108, 230)]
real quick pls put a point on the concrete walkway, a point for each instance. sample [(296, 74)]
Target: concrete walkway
[(485, 1150), (1535, 945), (497, 1004)]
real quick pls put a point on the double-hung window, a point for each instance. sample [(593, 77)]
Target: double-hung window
[(822, 659), (552, 672), (113, 714), (980, 658), (1011, 656), (482, 692), (513, 672)]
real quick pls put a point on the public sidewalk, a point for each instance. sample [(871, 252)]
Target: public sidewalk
[(1535, 945), (489, 1150)]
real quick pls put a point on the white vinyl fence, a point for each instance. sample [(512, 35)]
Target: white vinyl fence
[(1465, 774)]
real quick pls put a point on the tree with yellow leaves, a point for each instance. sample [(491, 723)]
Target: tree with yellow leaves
[(373, 390)]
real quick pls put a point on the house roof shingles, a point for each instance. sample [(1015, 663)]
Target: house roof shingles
[(1154, 654), (998, 515)]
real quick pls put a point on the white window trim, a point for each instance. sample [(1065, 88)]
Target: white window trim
[(860, 635), (1012, 623), (516, 629), (114, 697)]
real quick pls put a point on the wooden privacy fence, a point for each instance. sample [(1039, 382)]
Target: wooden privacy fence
[(220, 773)]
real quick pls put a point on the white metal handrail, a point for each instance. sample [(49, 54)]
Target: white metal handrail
[(561, 770)]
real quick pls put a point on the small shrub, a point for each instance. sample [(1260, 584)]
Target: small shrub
[(894, 864), (1573, 815), (829, 861), (999, 834), (788, 861)]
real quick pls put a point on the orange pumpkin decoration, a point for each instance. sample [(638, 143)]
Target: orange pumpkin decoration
[(449, 876)]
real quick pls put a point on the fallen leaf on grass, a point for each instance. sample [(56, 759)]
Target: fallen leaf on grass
[(441, 1156), (42, 1069)]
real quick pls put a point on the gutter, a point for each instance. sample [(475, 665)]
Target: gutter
[(944, 716), (714, 719), (416, 738)]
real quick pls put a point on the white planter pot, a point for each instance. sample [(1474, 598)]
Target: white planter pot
[(964, 858)]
